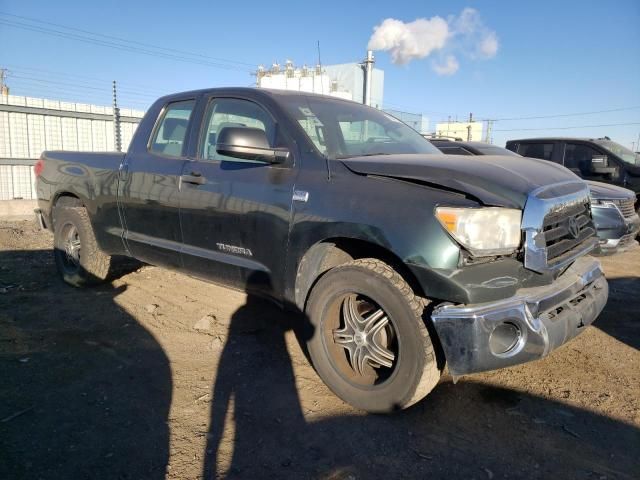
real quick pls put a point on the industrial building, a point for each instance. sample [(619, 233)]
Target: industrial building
[(30, 125), (468, 131), (416, 121), (343, 81), (360, 82)]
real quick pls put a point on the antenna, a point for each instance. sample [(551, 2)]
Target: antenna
[(320, 65)]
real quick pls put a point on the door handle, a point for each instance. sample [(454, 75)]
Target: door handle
[(194, 178)]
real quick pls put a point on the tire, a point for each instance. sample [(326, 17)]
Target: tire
[(78, 258), (357, 365)]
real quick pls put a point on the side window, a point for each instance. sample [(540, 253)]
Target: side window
[(577, 157), (536, 150), (170, 135), (233, 112)]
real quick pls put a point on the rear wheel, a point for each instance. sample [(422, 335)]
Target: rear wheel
[(76, 253), (370, 344)]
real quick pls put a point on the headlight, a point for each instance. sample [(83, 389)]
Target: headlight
[(483, 231), (602, 203)]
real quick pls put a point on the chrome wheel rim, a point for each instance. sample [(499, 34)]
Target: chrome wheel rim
[(362, 340), (71, 247)]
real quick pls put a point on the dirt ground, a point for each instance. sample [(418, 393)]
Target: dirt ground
[(159, 375)]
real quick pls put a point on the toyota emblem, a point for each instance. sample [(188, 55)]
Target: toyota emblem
[(574, 230)]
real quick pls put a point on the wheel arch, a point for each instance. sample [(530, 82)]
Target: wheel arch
[(64, 199), (331, 252)]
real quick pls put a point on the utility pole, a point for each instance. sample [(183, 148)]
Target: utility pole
[(4, 89), (487, 137), (469, 127), (117, 137)]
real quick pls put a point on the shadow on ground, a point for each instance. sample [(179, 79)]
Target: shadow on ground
[(468, 430), (621, 316), (85, 389)]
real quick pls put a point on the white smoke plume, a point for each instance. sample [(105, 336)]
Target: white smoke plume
[(464, 34), (449, 67), (409, 41)]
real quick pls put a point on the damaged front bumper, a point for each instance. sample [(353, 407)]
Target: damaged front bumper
[(522, 328)]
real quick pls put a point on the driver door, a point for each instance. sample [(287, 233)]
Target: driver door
[(235, 215)]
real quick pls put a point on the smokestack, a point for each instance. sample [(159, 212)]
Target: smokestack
[(367, 66)]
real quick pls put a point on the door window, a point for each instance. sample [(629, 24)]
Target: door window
[(169, 137), (233, 112), (536, 150), (577, 157)]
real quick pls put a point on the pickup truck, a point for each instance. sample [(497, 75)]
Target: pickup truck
[(399, 259), (599, 159), (612, 207)]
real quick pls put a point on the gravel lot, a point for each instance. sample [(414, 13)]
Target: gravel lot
[(159, 375)]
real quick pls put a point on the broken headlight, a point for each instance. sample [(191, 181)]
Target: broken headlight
[(483, 231)]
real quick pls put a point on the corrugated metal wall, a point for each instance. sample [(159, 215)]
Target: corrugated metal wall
[(23, 137)]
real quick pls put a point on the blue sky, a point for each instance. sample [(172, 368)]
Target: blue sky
[(553, 57)]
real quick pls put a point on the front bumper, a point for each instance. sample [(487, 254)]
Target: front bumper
[(522, 328), (616, 233)]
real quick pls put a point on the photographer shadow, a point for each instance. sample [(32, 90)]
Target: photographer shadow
[(86, 388), (258, 428)]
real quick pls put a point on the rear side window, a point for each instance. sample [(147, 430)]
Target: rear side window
[(536, 150), (170, 135)]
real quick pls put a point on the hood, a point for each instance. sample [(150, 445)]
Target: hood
[(503, 181), (605, 191)]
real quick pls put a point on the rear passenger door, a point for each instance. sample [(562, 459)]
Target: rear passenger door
[(235, 214), (149, 188), (541, 150)]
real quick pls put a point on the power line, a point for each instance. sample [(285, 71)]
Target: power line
[(39, 88), (120, 46), (53, 86), (75, 76), (119, 39), (566, 128), (559, 115)]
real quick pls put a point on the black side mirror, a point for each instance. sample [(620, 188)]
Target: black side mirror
[(248, 144), (600, 164)]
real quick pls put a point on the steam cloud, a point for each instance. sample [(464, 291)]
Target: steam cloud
[(465, 34)]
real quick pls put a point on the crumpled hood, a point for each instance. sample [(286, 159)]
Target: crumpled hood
[(495, 180), (605, 191)]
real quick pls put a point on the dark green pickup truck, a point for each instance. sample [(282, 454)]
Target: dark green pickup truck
[(398, 258)]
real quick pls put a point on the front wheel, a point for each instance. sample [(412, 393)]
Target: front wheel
[(76, 253), (370, 344)]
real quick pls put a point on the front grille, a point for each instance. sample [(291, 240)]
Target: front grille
[(566, 230), (627, 241), (626, 206)]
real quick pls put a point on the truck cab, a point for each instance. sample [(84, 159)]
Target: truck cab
[(598, 159)]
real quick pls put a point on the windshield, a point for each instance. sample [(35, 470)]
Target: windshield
[(620, 151), (493, 150), (341, 129)]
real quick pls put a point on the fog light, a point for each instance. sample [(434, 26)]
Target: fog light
[(504, 337)]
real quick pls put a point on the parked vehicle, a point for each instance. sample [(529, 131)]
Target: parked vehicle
[(398, 257), (598, 159), (616, 220)]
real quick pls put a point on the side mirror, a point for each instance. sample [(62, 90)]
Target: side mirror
[(600, 164), (248, 144)]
